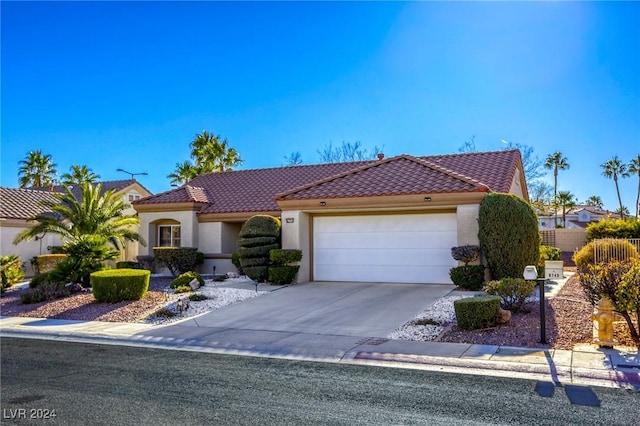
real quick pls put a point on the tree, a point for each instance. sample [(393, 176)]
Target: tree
[(37, 169), (295, 159), (347, 152), (94, 213), (634, 168), (531, 163), (212, 153), (184, 173), (540, 195), (623, 212), (613, 169), (567, 201), (469, 145), (556, 162), (79, 175), (595, 201)]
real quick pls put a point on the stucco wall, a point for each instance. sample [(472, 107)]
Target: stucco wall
[(467, 216), (296, 234), (188, 228), (516, 187), (26, 249)]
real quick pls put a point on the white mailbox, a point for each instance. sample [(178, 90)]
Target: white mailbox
[(553, 269), (530, 273)]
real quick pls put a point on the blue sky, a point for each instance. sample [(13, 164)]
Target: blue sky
[(127, 85)]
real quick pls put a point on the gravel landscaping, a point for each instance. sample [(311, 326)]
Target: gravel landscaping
[(568, 314)]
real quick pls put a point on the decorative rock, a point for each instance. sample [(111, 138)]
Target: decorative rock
[(503, 316), (232, 275), (194, 284)]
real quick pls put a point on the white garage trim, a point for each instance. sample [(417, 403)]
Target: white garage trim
[(409, 248)]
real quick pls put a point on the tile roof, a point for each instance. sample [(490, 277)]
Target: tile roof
[(395, 176), (256, 190), (116, 185), (22, 203)]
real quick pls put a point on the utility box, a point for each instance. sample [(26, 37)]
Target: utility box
[(553, 269)]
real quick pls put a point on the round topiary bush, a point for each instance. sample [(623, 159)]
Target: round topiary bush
[(258, 236), (508, 234), (185, 279), (115, 285)]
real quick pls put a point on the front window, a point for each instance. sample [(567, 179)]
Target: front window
[(169, 235)]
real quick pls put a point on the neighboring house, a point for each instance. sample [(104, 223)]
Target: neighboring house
[(390, 220), (19, 204), (578, 217)]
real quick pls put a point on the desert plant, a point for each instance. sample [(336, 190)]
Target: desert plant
[(115, 285), (508, 234), (185, 279), (547, 253), (607, 249), (470, 277), (11, 271), (258, 236), (86, 254), (177, 260), (44, 292), (618, 281), (165, 313), (198, 297), (477, 312), (183, 289), (513, 292), (39, 279)]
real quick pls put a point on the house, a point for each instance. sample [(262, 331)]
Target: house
[(577, 217), (385, 220), (17, 205)]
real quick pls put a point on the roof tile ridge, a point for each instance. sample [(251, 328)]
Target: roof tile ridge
[(458, 176), (468, 154), (369, 164)]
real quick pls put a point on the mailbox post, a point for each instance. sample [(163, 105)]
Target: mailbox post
[(531, 274)]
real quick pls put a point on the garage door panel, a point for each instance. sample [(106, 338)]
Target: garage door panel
[(385, 248)]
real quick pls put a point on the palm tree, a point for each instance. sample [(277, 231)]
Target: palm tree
[(36, 169), (594, 200), (613, 169), (211, 153), (567, 201), (556, 162), (94, 213), (634, 168), (79, 175), (184, 173), (622, 212)]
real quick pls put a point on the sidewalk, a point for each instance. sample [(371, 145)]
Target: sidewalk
[(585, 365)]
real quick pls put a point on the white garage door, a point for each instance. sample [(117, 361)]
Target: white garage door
[(403, 248)]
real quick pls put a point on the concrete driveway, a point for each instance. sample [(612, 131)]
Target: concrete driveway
[(327, 308)]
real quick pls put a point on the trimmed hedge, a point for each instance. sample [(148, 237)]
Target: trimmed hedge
[(470, 277), (127, 264), (186, 278), (44, 292), (177, 260), (282, 257), (258, 236), (282, 274), (466, 253), (477, 312), (146, 262), (115, 285), (508, 234)]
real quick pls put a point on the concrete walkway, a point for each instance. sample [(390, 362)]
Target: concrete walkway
[(317, 322)]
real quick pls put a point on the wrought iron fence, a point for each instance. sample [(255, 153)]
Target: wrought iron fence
[(603, 249)]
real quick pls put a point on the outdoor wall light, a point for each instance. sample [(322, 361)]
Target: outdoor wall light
[(427, 198), (289, 220), (323, 203)]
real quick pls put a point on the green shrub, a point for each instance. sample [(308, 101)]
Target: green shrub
[(165, 313), (127, 264), (45, 291), (283, 257), (477, 312), (512, 291), (235, 260), (470, 277), (197, 297), (38, 280), (115, 285), (258, 236), (185, 279), (177, 260), (608, 249), (47, 262), (508, 234), (56, 250), (282, 274), (183, 289), (614, 228), (11, 271)]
